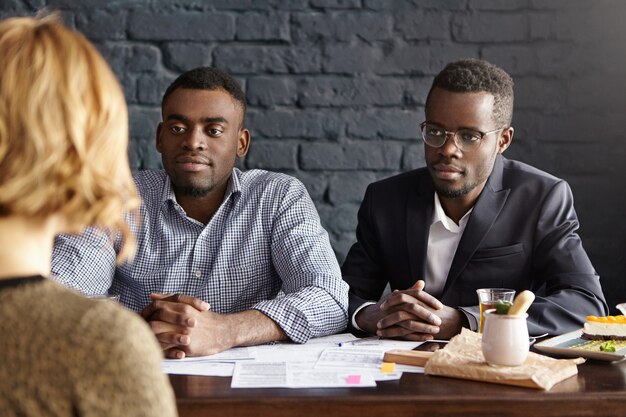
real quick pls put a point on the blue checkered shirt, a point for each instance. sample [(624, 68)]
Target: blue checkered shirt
[(264, 249)]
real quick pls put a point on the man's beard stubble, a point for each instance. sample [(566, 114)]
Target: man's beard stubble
[(193, 192), (455, 193)]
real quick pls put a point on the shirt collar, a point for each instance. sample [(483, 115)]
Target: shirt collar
[(168, 190), (234, 184), (440, 216)]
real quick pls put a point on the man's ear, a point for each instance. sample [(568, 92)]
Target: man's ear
[(505, 139), (158, 137), (243, 142)]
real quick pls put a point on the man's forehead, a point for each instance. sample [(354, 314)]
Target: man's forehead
[(211, 101), (210, 95)]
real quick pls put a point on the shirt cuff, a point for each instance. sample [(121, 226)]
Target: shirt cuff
[(361, 307), (471, 319)]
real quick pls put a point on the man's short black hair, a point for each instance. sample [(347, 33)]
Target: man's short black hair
[(208, 78), (477, 75)]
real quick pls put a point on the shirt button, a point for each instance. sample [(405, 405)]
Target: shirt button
[(198, 274)]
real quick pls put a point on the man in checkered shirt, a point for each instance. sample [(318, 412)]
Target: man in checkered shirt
[(225, 258)]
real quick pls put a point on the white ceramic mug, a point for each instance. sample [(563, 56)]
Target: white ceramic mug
[(505, 339)]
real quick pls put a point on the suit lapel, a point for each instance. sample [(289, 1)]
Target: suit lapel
[(419, 214), (486, 210)]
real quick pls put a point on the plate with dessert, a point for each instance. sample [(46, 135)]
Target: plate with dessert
[(602, 338)]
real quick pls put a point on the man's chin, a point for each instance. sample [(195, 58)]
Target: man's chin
[(191, 191), (452, 192)]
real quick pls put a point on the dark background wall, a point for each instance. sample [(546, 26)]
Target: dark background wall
[(336, 88)]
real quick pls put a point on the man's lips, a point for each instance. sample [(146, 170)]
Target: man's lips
[(192, 163), (446, 171), (192, 160)]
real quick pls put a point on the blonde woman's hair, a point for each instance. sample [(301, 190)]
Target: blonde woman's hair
[(63, 130)]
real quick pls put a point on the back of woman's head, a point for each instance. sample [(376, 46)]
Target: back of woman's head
[(63, 129)]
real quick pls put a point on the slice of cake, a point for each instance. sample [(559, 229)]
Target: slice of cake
[(605, 328)]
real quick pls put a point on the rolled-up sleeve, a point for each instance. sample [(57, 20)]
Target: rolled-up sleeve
[(314, 298), (85, 262)]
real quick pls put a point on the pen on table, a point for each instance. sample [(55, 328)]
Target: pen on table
[(358, 341)]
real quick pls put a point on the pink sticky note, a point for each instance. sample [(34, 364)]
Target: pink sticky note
[(353, 379)]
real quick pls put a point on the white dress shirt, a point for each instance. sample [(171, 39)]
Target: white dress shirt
[(443, 239)]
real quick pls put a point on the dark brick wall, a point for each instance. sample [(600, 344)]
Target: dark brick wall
[(337, 88)]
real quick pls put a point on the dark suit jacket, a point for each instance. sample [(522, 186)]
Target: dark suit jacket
[(521, 235)]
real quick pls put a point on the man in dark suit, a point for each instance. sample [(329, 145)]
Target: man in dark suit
[(470, 219)]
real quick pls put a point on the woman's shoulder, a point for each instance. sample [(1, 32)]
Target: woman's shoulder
[(120, 356), (104, 355)]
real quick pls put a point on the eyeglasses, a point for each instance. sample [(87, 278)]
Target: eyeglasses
[(466, 140)]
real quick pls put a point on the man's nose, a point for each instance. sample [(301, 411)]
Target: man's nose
[(196, 139)]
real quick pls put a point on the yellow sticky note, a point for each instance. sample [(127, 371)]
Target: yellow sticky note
[(387, 367)]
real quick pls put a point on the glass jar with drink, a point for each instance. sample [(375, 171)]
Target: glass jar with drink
[(488, 299)]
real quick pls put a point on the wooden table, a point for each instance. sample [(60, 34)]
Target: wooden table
[(598, 390)]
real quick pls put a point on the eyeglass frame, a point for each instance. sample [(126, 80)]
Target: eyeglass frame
[(454, 135)]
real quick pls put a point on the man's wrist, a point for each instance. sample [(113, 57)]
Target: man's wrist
[(254, 327)]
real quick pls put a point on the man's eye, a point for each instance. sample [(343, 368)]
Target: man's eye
[(214, 131), (433, 131), (177, 129), (469, 136)]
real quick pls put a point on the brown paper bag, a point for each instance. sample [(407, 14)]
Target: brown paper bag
[(463, 358)]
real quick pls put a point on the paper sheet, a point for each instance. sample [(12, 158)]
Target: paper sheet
[(259, 375), (364, 360), (197, 368), (343, 357), (307, 352), (220, 364), (294, 375), (409, 369), (230, 355)]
